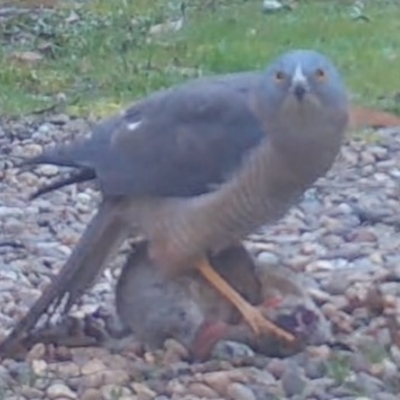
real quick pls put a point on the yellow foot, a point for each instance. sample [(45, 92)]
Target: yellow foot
[(251, 314), (260, 324)]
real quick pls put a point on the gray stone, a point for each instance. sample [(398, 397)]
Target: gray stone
[(227, 349), (293, 380), (237, 391), (315, 368)]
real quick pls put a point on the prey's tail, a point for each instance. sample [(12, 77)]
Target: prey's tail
[(103, 236)]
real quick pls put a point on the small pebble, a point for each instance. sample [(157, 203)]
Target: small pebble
[(237, 391), (293, 381), (59, 390), (37, 352), (92, 394), (202, 391)]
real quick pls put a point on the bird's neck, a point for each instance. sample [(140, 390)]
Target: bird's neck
[(308, 142), (306, 159)]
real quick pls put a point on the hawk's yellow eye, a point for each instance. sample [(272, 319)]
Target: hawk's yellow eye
[(320, 74), (279, 76)]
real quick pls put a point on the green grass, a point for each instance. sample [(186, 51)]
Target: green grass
[(106, 57)]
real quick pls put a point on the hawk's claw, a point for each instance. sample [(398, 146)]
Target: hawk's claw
[(260, 325), (251, 314)]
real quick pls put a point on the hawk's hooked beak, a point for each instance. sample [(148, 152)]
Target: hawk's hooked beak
[(299, 85)]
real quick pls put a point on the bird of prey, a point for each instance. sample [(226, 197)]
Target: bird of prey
[(197, 167), (155, 308)]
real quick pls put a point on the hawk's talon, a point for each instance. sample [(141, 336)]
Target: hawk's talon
[(251, 314), (261, 325)]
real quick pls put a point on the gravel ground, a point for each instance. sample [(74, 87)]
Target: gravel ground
[(342, 237)]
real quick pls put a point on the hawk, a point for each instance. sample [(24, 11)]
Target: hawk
[(197, 167)]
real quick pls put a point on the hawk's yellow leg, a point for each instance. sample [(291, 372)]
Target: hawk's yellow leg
[(251, 314)]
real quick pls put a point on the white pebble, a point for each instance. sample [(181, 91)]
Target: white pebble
[(39, 367), (59, 390), (48, 170)]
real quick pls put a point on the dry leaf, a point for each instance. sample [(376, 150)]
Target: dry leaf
[(25, 58), (361, 117)]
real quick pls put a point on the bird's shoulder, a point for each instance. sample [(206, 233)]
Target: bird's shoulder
[(197, 97), (191, 136), (181, 141)]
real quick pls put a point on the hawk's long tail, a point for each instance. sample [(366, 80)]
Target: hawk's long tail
[(103, 236)]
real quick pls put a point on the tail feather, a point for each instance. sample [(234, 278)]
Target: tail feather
[(110, 230), (61, 156), (81, 176), (58, 155), (101, 239)]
